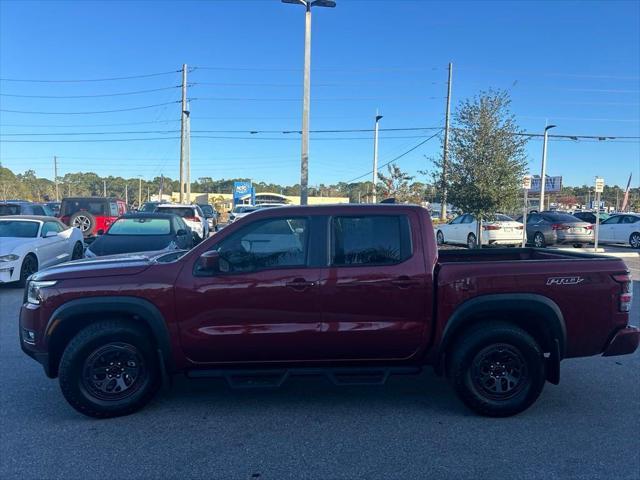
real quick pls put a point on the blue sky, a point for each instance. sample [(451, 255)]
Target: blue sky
[(576, 64)]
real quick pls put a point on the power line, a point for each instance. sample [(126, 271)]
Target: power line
[(87, 125), (108, 79), (335, 99), (90, 113), (252, 132), (136, 92), (397, 157), (92, 140)]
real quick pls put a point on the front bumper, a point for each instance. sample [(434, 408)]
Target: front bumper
[(10, 271), (30, 319), (625, 341)]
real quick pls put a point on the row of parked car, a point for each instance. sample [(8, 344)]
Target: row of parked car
[(32, 237), (543, 229)]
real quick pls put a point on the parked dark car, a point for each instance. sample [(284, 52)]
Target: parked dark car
[(591, 216), (19, 207), (142, 232), (352, 292), (551, 228), (54, 207), (150, 207)]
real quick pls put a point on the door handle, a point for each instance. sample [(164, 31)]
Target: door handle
[(300, 284), (404, 282)]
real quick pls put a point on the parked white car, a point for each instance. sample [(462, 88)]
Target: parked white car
[(192, 216), (622, 228), (31, 243), (503, 230), (240, 211)]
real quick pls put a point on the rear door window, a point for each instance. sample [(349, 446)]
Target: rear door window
[(8, 209), (370, 240)]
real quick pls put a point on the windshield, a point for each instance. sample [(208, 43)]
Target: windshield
[(18, 229), (140, 226), (148, 207), (94, 207), (9, 209), (503, 218), (184, 212), (244, 209), (207, 210)]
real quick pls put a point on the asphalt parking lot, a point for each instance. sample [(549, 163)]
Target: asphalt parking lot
[(587, 427)]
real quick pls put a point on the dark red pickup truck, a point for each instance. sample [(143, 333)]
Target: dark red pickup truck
[(353, 292)]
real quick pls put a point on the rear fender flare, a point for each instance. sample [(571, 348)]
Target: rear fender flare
[(548, 317)]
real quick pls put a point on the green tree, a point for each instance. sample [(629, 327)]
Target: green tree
[(487, 157), (395, 184)]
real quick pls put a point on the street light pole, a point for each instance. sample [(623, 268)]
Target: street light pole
[(375, 159), (544, 165), (306, 98)]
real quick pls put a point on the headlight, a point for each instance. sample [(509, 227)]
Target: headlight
[(34, 291), (8, 258)]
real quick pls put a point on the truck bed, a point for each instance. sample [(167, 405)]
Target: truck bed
[(513, 254)]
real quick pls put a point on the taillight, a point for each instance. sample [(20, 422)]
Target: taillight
[(589, 227), (560, 226), (192, 219), (519, 227), (491, 227), (626, 292)]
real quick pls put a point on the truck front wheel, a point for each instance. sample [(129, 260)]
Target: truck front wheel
[(497, 369), (109, 369)]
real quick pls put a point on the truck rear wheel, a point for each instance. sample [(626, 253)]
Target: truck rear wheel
[(497, 369), (108, 370)]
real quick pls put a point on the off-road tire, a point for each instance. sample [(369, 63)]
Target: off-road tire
[(76, 384), (85, 221), (468, 354)]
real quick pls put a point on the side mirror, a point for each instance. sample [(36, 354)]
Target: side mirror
[(50, 234), (209, 261), (182, 232), (101, 232)]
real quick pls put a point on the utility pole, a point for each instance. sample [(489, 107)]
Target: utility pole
[(139, 192), (161, 187), (375, 158), (543, 174), (104, 188), (148, 194), (69, 185), (445, 153), (304, 157), (188, 153), (183, 129), (126, 195), (55, 177)]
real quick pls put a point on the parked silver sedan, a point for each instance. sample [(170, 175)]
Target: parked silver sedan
[(551, 228)]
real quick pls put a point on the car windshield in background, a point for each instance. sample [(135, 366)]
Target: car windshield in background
[(148, 207), (561, 217), (141, 226), (503, 218), (185, 212), (246, 209), (97, 207), (7, 209), (207, 210), (18, 229)]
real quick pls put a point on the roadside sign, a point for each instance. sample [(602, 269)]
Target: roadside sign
[(551, 184), (599, 185), (526, 182)]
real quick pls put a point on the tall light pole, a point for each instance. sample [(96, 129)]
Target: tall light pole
[(304, 160), (544, 165), (375, 159)]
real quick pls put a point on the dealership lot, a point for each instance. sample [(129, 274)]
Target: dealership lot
[(413, 427)]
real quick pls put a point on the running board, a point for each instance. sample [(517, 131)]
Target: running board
[(272, 378)]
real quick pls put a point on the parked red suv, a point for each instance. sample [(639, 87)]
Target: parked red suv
[(92, 215), (353, 292)]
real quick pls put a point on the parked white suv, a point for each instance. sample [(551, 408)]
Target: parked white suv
[(192, 215)]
